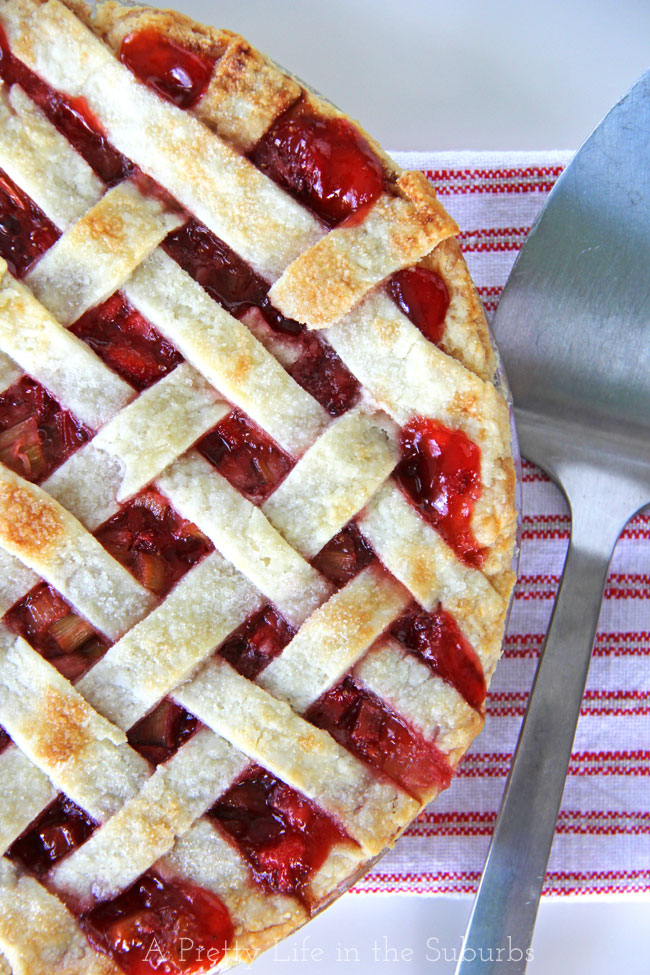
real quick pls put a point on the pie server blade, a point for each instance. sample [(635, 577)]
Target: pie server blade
[(573, 328)]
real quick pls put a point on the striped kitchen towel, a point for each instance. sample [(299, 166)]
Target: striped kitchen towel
[(602, 843)]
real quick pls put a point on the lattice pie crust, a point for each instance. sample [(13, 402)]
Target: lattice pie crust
[(350, 642)]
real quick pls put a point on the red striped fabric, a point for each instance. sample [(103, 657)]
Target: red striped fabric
[(602, 845)]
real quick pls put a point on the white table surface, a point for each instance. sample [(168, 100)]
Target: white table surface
[(472, 74)]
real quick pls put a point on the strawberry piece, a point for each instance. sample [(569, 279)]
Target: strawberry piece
[(371, 730), (127, 342), (285, 837), (151, 540), (325, 163), (161, 733), (436, 640), (71, 116), (178, 75), (440, 473), (423, 297), (246, 456), (36, 433), (48, 623), (60, 828), (322, 373), (25, 232), (344, 556), (256, 642), (160, 926)]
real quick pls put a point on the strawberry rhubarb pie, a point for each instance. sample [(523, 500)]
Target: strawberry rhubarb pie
[(256, 496)]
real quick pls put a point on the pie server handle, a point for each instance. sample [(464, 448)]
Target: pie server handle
[(501, 925)]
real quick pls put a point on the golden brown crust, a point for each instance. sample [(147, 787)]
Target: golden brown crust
[(63, 735), (28, 524), (330, 278)]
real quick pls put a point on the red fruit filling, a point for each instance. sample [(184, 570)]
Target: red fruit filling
[(230, 281), (285, 837), (36, 433), (127, 342), (440, 472), (246, 456), (5, 740), (179, 75), (161, 733), (225, 276), (25, 232), (71, 116), (161, 927), (256, 642), (46, 621), (153, 542), (423, 297), (366, 726), (324, 163), (60, 828), (344, 556), (436, 639), (320, 371)]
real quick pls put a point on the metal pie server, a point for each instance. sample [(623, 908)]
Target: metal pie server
[(573, 328)]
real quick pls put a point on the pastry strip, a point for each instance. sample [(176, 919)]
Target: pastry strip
[(206, 858), (146, 436), (428, 703), (99, 252), (329, 279), (334, 638), (333, 480), (48, 539), (416, 555), (82, 753), (208, 603), (147, 825), (226, 352), (67, 186), (409, 376), (25, 792), (242, 533), (57, 359), (38, 934)]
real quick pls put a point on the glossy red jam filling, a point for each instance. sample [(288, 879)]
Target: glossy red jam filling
[(71, 116), (179, 75), (25, 232), (320, 371), (440, 471), (49, 625), (59, 830), (256, 642), (225, 276), (324, 163), (127, 342), (36, 433), (285, 837), (344, 556), (153, 542), (246, 456), (423, 297), (233, 284), (162, 927), (5, 740), (161, 733), (366, 726), (436, 640)]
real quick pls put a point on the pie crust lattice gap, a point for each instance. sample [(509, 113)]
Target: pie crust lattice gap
[(256, 495)]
